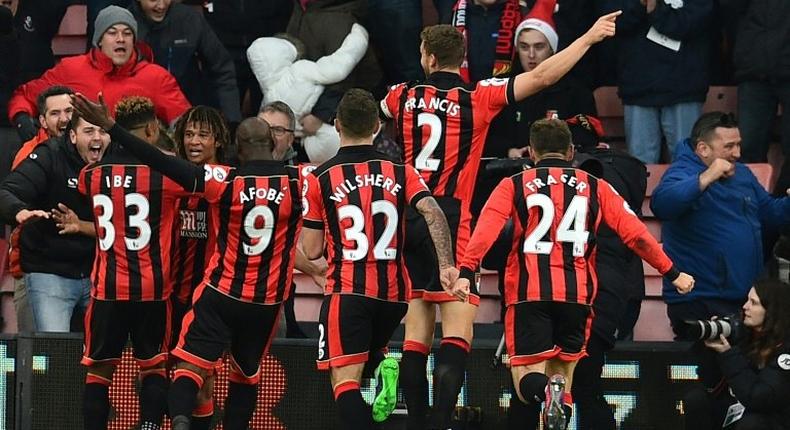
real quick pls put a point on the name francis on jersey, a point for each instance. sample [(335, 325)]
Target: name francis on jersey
[(369, 180), (433, 104)]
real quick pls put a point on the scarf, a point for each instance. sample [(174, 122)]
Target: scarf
[(503, 58)]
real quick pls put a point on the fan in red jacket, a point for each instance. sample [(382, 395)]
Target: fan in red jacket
[(113, 67)]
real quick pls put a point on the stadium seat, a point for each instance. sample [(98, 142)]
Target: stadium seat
[(71, 38), (764, 173), (653, 324), (610, 112), (655, 172), (724, 99)]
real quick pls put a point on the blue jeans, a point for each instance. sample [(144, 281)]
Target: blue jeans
[(644, 126), (54, 298), (757, 102)]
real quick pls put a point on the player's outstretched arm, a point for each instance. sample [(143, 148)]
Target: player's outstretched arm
[(556, 66), (189, 176)]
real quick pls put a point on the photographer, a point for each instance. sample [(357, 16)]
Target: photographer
[(757, 369)]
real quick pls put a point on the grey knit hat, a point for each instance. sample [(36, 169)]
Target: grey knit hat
[(110, 16)]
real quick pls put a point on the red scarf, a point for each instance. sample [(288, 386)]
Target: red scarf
[(503, 58)]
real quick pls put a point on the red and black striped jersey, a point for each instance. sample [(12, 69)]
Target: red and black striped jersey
[(442, 125), (556, 212), (358, 198), (194, 245), (134, 211), (259, 214)]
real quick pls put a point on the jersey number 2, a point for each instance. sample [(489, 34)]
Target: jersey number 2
[(424, 160)]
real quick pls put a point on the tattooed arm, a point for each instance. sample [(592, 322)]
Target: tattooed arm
[(442, 241)]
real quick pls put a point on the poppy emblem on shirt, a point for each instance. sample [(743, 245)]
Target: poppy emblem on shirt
[(29, 24), (784, 361)]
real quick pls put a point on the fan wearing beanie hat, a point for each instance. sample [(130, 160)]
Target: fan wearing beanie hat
[(115, 34), (536, 36)]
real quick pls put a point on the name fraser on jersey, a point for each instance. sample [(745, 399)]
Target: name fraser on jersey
[(571, 181), (375, 180)]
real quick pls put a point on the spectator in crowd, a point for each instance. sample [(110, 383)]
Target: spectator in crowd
[(112, 67), (536, 40), (56, 267), (183, 42), (26, 32), (285, 75), (762, 70), (756, 367), (488, 27), (282, 123), (237, 24), (395, 27), (712, 209), (322, 25), (572, 19), (54, 113), (36, 22), (664, 51), (55, 107)]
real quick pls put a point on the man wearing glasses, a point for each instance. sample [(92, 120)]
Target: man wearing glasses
[(713, 210), (281, 121)]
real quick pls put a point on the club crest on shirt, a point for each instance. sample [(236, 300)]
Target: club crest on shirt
[(193, 224)]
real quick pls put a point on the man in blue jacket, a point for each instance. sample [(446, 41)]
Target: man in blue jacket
[(713, 209)]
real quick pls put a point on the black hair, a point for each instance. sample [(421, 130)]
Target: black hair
[(707, 125), (55, 90)]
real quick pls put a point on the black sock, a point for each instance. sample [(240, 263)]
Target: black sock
[(201, 423), (413, 381), (533, 388), (354, 412), (182, 397), (448, 378), (374, 359), (153, 399), (521, 416), (96, 406), (568, 414), (239, 405)]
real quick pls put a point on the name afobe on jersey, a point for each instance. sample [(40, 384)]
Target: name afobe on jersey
[(252, 193)]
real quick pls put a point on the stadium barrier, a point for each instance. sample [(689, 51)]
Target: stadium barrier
[(41, 386)]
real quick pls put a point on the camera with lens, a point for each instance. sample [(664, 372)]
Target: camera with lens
[(729, 326)]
